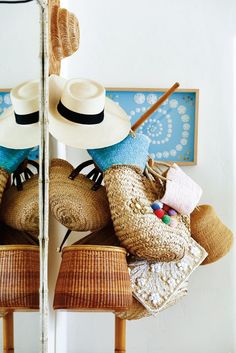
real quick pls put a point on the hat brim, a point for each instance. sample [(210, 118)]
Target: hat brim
[(15, 136), (113, 129)]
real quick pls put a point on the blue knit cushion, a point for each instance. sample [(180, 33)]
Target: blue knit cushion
[(11, 158), (132, 150)]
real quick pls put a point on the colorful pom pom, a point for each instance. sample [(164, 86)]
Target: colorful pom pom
[(157, 205), (166, 208), (172, 213), (159, 213), (166, 219)]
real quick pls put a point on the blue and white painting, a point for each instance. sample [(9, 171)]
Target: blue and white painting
[(5, 103), (171, 128)]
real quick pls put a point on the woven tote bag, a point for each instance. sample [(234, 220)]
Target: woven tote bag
[(209, 231), (139, 230), (74, 201)]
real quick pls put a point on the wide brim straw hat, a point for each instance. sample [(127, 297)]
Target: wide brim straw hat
[(19, 125), (73, 202), (99, 121), (20, 208), (64, 36), (209, 231)]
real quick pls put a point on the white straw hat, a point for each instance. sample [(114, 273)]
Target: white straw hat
[(80, 114), (19, 125)]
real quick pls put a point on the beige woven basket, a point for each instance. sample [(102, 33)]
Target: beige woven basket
[(130, 196), (19, 276), (20, 209), (73, 202), (93, 277)]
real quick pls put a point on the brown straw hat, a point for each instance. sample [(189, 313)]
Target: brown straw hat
[(93, 277), (74, 202), (20, 208), (208, 230), (64, 36)]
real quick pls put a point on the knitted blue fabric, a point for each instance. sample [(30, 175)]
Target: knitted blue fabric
[(11, 158), (132, 150)]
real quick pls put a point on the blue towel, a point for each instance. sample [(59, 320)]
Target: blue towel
[(133, 150), (10, 159)]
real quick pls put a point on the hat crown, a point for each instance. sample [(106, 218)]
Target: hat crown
[(84, 96), (25, 97)]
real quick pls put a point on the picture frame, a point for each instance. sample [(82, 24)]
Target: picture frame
[(5, 103), (173, 128)]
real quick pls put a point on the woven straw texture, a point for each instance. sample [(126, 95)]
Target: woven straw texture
[(132, 150), (10, 236), (93, 277), (20, 209), (105, 236), (130, 195), (208, 230), (19, 276), (64, 36), (4, 176), (73, 202), (138, 311), (10, 159)]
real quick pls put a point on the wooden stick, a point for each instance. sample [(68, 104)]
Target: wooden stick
[(120, 335), (8, 333), (155, 106)]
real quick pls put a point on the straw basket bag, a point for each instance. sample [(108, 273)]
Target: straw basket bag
[(20, 208), (73, 200), (19, 276), (93, 277), (210, 233), (139, 230), (137, 311)]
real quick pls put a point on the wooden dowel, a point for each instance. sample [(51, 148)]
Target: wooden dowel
[(155, 106), (120, 335), (8, 333)]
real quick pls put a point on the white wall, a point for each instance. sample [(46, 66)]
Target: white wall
[(19, 62), (154, 43)]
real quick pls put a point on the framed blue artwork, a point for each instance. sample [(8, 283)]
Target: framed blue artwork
[(172, 128), (5, 103)]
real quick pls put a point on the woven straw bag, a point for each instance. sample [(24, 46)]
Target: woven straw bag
[(19, 277), (210, 233), (130, 196), (137, 311), (158, 285), (74, 202), (93, 277), (64, 36), (20, 208)]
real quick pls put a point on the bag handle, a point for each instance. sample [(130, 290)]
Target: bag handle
[(95, 174), (25, 171)]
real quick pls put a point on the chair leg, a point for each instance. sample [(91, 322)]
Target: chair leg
[(120, 335), (8, 333)]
